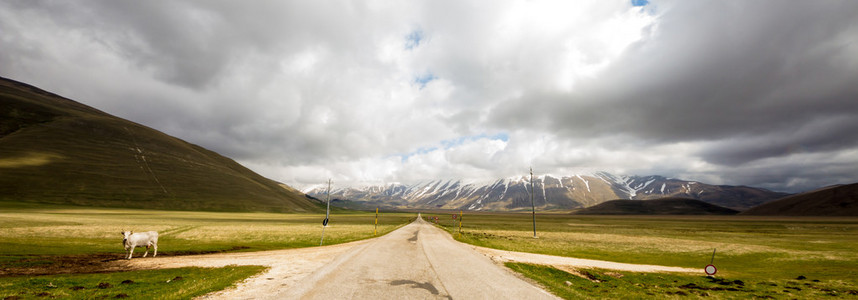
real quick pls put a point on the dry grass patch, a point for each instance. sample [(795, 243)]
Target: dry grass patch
[(45, 230)]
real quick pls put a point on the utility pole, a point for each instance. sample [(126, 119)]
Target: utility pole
[(532, 205), (327, 212)]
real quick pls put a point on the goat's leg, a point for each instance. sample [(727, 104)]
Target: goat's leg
[(130, 252), (155, 245), (147, 251)]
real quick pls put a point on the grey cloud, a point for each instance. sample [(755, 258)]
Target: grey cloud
[(834, 133), (794, 174), (714, 71), (193, 43)]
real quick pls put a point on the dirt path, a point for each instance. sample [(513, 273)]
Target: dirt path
[(416, 261), (502, 256), (286, 267)]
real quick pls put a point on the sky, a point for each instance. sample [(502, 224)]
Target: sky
[(756, 93)]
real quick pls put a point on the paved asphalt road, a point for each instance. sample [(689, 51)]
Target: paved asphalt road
[(417, 261)]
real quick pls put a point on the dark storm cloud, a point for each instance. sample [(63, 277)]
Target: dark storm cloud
[(772, 76), (831, 134)]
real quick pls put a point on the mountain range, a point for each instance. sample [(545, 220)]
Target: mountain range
[(551, 193), (59, 151)]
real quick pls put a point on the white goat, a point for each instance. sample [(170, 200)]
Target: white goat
[(140, 239)]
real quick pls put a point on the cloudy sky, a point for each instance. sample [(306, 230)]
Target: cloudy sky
[(759, 93)]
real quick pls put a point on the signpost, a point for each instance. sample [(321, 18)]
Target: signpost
[(327, 213), (710, 269)]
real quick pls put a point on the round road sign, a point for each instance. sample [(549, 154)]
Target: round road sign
[(710, 270), (325, 222)]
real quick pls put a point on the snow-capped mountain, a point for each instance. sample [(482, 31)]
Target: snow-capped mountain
[(551, 192)]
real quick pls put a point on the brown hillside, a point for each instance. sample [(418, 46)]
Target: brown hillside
[(831, 201), (55, 150), (663, 206)]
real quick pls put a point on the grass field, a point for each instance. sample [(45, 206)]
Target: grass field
[(609, 284), (181, 283), (754, 250), (27, 230), (47, 237)]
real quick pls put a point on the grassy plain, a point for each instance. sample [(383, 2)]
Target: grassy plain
[(48, 237), (609, 284), (181, 283), (754, 250), (28, 229)]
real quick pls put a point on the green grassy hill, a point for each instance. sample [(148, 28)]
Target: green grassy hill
[(663, 206), (55, 150)]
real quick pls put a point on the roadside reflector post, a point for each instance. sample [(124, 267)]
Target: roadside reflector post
[(376, 222)]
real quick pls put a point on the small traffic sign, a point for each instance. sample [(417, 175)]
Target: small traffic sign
[(710, 270), (325, 222)]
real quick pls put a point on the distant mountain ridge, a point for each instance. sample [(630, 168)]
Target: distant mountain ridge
[(552, 192), (56, 150)]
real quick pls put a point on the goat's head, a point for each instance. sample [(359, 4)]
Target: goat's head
[(125, 235)]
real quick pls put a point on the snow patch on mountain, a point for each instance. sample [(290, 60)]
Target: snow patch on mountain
[(587, 183)]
